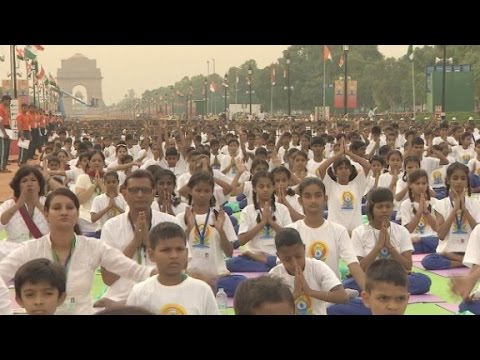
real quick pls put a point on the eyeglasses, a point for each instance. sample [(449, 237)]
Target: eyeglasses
[(136, 190)]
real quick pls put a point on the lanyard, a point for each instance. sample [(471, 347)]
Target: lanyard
[(141, 247), (69, 257), (458, 219), (202, 234)]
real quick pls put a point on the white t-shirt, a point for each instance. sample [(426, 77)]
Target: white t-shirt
[(472, 253), (87, 256), (365, 237), (84, 182), (330, 242), (190, 297), (318, 276), (101, 202), (457, 237), (207, 258), (345, 201), (437, 177), (406, 212), (462, 155), (264, 240), (5, 303)]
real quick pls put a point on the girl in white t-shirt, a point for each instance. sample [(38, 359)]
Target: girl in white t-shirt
[(259, 223), (456, 216), (109, 204), (416, 214), (285, 195), (345, 187), (210, 235), (166, 200), (245, 188)]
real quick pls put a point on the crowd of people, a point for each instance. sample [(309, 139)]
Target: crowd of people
[(172, 211)]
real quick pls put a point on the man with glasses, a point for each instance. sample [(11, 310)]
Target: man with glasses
[(129, 231)]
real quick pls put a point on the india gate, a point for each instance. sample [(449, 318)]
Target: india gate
[(80, 71)]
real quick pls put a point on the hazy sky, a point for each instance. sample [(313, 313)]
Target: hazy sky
[(145, 67)]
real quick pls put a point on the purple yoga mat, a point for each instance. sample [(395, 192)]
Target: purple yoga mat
[(447, 272), (418, 257), (463, 271), (450, 307), (425, 298)]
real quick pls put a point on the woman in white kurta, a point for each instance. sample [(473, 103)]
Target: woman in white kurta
[(26, 206), (79, 255)]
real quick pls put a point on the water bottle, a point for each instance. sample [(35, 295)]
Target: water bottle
[(222, 301)]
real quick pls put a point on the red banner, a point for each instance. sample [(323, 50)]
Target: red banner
[(339, 98), (339, 102), (352, 94)]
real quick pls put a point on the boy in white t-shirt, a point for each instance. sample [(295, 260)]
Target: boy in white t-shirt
[(311, 281), (172, 292)]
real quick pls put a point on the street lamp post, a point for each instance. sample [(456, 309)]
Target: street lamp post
[(288, 83), (205, 97), (166, 104), (345, 80), (173, 100), (250, 85), (226, 88), (444, 70)]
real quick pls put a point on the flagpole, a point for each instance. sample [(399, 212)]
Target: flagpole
[(413, 87), (214, 106), (271, 101), (13, 67), (206, 88), (324, 81)]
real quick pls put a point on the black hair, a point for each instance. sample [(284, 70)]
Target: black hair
[(165, 231), (311, 181), (342, 161), (451, 169), (23, 171), (125, 310), (63, 191), (287, 237), (378, 195), (385, 271), (409, 159), (113, 174), (140, 174), (40, 270), (253, 293), (283, 170), (256, 178), (202, 176), (168, 173), (414, 176)]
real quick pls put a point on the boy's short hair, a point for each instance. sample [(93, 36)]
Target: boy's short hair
[(171, 152), (40, 270), (165, 231), (252, 293), (287, 237), (385, 271)]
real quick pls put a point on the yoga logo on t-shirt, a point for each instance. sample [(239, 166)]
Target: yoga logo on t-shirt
[(437, 178), (201, 238), (421, 226), (303, 305), (466, 159), (347, 200), (318, 250), (172, 309), (459, 226)]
